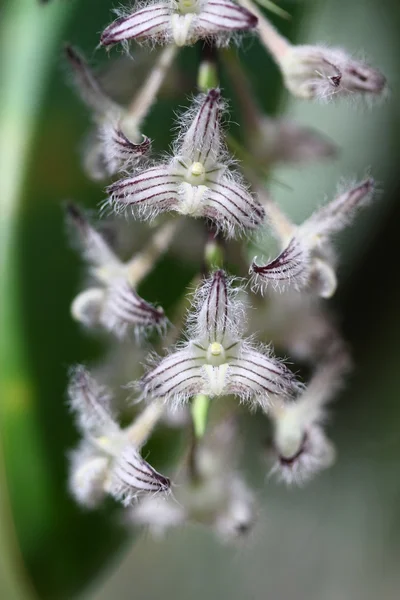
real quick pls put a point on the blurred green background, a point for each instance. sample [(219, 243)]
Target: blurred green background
[(339, 538)]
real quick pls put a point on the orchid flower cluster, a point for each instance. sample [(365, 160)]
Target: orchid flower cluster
[(218, 360)]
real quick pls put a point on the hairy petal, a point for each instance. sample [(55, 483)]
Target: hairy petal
[(132, 475), (119, 152), (178, 375), (254, 374), (150, 21), (90, 402), (150, 192), (290, 267), (335, 215), (95, 249), (224, 16), (124, 308), (202, 141), (88, 85), (215, 313), (231, 207), (315, 454)]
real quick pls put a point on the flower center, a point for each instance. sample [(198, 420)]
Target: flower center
[(216, 354), (196, 174), (187, 6)]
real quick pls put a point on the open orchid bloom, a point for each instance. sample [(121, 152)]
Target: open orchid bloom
[(113, 303), (300, 446), (307, 259), (116, 144), (217, 360), (325, 73), (197, 180), (317, 72), (215, 495), (181, 21), (107, 460)]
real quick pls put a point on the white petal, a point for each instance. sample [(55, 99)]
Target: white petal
[(152, 21), (323, 278), (215, 312), (132, 475), (231, 207), (119, 152), (86, 307), (202, 141), (149, 193), (315, 454), (258, 376), (223, 16), (88, 474), (95, 249), (88, 85), (334, 216), (90, 402), (179, 375), (290, 267), (124, 308)]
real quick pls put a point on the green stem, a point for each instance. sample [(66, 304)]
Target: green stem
[(29, 34)]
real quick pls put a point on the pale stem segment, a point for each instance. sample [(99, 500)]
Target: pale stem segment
[(277, 44), (142, 103)]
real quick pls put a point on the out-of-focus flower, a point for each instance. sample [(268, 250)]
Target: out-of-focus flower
[(217, 360), (209, 491), (299, 325), (107, 460), (180, 21), (197, 180), (113, 303), (316, 71), (285, 141), (116, 144), (300, 446), (308, 259)]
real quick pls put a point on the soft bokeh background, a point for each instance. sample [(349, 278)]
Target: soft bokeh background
[(337, 538)]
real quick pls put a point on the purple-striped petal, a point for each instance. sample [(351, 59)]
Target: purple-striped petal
[(215, 313), (179, 375), (151, 192), (231, 207), (257, 375), (132, 475), (153, 21), (219, 16), (124, 309), (335, 215), (119, 152), (290, 267), (202, 141)]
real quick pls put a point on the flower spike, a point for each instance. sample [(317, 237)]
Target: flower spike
[(307, 258), (183, 22), (114, 303), (107, 460), (216, 360), (196, 181)]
